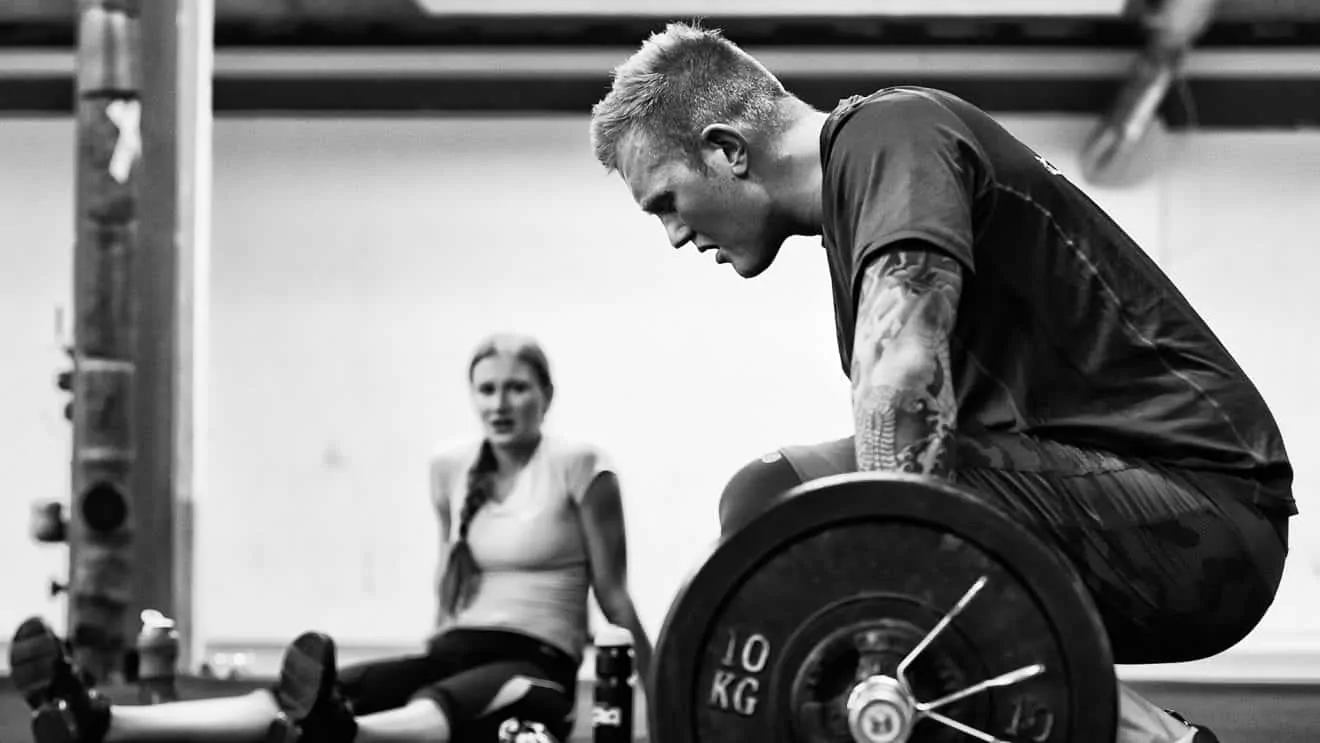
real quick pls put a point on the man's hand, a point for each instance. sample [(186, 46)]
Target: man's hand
[(902, 385)]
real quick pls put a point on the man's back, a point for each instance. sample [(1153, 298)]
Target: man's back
[(1067, 330)]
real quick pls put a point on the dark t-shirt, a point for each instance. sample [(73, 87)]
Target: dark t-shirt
[(1066, 329)]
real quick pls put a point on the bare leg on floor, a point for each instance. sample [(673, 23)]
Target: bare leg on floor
[(240, 719), (419, 721)]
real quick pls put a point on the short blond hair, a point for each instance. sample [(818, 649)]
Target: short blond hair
[(679, 82)]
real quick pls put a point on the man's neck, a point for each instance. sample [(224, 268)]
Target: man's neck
[(798, 174)]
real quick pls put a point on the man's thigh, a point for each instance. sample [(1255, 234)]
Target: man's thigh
[(1179, 567)]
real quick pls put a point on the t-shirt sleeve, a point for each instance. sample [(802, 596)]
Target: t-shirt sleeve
[(904, 167), (585, 463)]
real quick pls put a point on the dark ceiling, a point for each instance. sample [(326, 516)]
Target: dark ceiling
[(1264, 68), (300, 23)]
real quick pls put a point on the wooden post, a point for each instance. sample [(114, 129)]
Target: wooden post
[(170, 274), (101, 522)]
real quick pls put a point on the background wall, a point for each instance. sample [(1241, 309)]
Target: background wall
[(356, 263)]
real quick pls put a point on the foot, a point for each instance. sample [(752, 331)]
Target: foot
[(64, 709), (311, 707), (1203, 735)]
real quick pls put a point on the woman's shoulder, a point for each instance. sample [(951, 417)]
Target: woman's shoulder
[(579, 462), (568, 450)]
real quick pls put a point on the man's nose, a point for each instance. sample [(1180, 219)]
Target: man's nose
[(679, 233)]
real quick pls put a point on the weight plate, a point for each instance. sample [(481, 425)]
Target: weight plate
[(823, 595)]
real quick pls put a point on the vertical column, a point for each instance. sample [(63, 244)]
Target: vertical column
[(171, 273), (101, 522), (196, 70)]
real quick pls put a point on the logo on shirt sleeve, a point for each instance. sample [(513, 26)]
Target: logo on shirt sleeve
[(1049, 166)]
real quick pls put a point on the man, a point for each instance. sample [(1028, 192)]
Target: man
[(999, 330)]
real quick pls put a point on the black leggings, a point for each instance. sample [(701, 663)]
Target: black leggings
[(480, 678), (1179, 564)]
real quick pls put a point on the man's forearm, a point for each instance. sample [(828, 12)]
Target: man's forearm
[(904, 406), (906, 426)]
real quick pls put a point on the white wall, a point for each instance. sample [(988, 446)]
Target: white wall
[(36, 278), (356, 263)]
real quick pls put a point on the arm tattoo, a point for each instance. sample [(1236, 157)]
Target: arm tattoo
[(902, 384)]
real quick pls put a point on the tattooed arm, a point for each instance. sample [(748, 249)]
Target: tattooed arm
[(902, 387)]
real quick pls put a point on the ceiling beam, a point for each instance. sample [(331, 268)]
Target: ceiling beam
[(1282, 85)]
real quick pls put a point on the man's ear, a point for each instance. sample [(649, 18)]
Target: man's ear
[(728, 145)]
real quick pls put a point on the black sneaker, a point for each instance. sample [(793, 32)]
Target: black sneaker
[(1203, 734), (64, 708), (311, 706)]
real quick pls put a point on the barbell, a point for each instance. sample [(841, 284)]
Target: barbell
[(882, 608)]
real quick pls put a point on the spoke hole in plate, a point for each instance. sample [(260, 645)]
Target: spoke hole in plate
[(844, 644)]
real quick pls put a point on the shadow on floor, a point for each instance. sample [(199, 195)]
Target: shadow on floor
[(1237, 713)]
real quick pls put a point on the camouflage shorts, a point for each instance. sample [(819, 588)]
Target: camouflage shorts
[(1178, 563)]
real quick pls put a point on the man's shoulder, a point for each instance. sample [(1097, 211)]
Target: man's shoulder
[(901, 102), (910, 120)]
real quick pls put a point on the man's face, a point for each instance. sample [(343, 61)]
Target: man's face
[(718, 209)]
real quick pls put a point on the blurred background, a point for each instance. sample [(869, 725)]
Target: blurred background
[(364, 188)]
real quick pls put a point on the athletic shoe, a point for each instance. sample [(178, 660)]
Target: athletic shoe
[(1203, 734), (64, 708), (311, 706)]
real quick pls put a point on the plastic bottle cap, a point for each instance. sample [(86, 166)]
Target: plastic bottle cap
[(152, 619), (612, 635)]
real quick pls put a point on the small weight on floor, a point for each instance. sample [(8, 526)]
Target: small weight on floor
[(882, 608)]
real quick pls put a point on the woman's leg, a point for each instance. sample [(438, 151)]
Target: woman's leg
[(240, 719), (65, 710), (418, 721), (472, 704), (379, 685)]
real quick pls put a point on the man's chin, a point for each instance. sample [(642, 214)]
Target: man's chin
[(750, 271)]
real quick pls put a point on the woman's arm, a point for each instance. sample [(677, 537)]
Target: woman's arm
[(607, 547), (440, 501)]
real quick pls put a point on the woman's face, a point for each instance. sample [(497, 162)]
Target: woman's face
[(509, 400)]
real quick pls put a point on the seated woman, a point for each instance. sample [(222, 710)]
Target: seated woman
[(529, 523)]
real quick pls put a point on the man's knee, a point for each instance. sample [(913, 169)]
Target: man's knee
[(753, 488)]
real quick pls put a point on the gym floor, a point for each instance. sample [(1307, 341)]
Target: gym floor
[(1236, 713)]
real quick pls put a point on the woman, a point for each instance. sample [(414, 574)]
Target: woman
[(529, 523)]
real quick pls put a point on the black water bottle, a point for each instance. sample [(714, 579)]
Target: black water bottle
[(612, 713)]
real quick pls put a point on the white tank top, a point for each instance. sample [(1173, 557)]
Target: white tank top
[(533, 556)]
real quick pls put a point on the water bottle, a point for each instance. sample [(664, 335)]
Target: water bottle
[(158, 657), (612, 713)]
